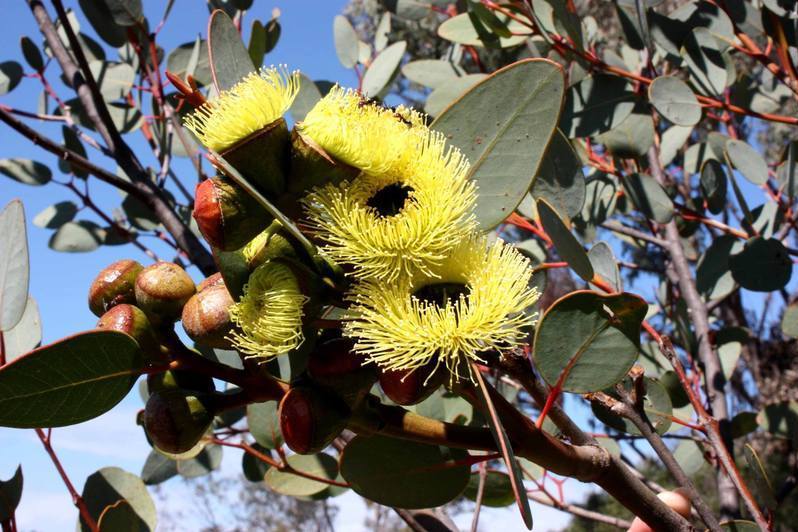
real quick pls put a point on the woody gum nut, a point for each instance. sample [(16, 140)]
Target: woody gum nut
[(113, 286), (132, 321), (162, 290), (311, 419), (409, 388), (208, 282), (179, 380), (334, 365), (176, 421), (227, 216), (206, 317)]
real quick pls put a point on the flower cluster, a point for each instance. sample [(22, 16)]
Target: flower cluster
[(427, 289)]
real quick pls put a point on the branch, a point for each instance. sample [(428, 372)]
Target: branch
[(578, 511)]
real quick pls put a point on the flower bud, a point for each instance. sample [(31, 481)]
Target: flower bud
[(175, 421), (227, 216), (410, 387), (213, 280), (162, 289), (133, 321), (310, 419), (179, 380), (113, 286), (336, 367), (206, 317)]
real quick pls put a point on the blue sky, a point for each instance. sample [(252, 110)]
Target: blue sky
[(60, 281)]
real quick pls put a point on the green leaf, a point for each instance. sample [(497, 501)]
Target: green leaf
[(203, 463), (442, 97), (671, 142), (460, 29), (432, 73), (632, 138), (789, 322), (498, 490), (656, 405), (319, 465), (10, 494), (307, 97), (228, 57), (70, 381), (10, 76), (26, 334), (26, 171), (72, 142), (743, 424), (382, 32), (119, 517), (505, 140), (158, 468), (605, 264), (254, 469), (714, 185), (713, 277), (191, 58), (102, 20), (649, 197), (114, 79), (601, 345), (596, 104), (263, 39), (738, 525), (748, 161), (31, 54), (14, 266), (383, 69), (781, 420), (764, 488), (560, 179), (110, 485), (760, 256), (346, 41), (126, 12), (704, 62), (568, 247), (690, 456), (264, 424), (56, 215), (77, 237), (383, 470), (674, 100)]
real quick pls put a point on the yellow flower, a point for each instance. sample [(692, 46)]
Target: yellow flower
[(269, 313), (362, 133), (390, 225), (266, 246), (250, 105), (475, 302)]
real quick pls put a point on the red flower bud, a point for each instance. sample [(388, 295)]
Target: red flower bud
[(410, 388), (310, 419), (227, 216)]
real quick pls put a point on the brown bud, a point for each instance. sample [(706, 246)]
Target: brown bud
[(310, 419), (227, 216), (409, 388), (162, 289), (335, 366), (175, 421), (262, 158), (133, 321), (179, 380), (213, 280), (113, 286), (206, 317)]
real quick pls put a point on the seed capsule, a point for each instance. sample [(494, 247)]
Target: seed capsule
[(114, 286), (310, 419), (133, 321), (162, 290), (175, 421), (336, 367), (410, 388), (206, 317)]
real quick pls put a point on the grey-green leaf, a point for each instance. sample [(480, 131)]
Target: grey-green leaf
[(383, 69), (442, 97), (56, 215), (346, 41), (10, 494), (762, 266), (674, 100), (714, 185), (10, 76), (596, 104), (26, 334), (73, 380), (748, 161), (568, 247), (649, 197), (560, 179), (229, 58), (505, 140), (432, 73), (704, 62), (14, 269), (158, 468), (26, 171), (32, 54), (108, 486), (287, 483), (77, 237)]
